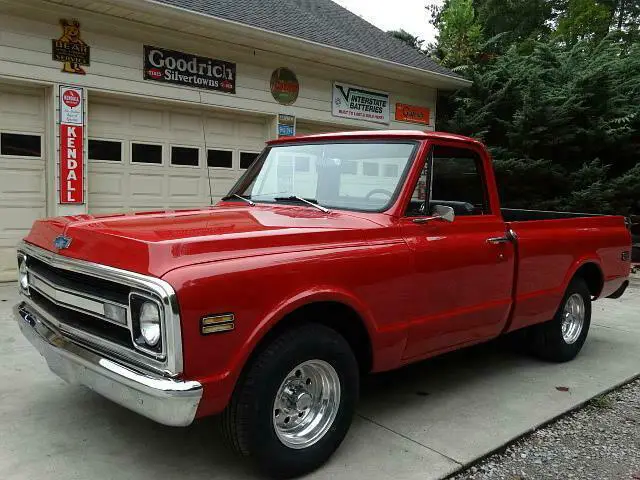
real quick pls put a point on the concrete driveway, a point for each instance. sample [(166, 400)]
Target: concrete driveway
[(425, 421)]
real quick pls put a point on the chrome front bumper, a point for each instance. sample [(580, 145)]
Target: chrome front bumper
[(165, 400)]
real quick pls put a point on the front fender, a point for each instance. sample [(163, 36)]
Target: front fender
[(261, 291)]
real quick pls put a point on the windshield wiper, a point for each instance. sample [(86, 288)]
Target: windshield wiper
[(313, 203), (235, 195)]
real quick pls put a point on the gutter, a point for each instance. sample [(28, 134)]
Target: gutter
[(152, 6)]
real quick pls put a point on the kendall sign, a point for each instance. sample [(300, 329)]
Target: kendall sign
[(71, 145), (170, 66)]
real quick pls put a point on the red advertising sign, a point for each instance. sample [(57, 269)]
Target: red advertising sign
[(71, 98), (71, 164), (412, 113), (71, 145)]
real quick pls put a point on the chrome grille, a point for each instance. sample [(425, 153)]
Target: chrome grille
[(73, 296)]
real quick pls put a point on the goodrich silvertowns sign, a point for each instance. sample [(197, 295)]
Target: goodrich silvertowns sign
[(170, 66)]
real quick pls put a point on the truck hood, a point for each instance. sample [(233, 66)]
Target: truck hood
[(153, 243)]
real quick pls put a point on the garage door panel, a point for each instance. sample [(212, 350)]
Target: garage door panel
[(250, 130), (146, 118), (109, 114), (8, 264), (217, 127), (220, 187), (105, 184), (22, 180), (23, 109), (17, 220), (184, 127), (146, 185), (187, 187)]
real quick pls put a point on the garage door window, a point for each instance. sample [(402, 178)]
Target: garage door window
[(220, 158), (146, 153), (185, 156), (246, 159), (107, 150), (20, 145)]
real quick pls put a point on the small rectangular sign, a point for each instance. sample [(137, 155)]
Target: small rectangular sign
[(71, 105), (171, 66), (71, 164), (286, 125), (360, 103), (412, 113)]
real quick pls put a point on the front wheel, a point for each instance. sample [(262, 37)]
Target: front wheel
[(562, 338), (294, 405)]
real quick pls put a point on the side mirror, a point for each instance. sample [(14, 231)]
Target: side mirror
[(444, 212), (439, 212)]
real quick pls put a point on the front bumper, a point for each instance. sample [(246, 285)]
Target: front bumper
[(165, 400)]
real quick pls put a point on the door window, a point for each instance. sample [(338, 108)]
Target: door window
[(451, 177), (458, 181)]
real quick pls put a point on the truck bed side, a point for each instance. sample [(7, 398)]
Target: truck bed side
[(551, 251)]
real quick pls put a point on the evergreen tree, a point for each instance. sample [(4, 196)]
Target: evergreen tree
[(555, 96)]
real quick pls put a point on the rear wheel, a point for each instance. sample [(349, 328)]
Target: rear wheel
[(294, 405), (562, 338)]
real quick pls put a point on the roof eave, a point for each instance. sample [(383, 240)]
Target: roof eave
[(340, 57)]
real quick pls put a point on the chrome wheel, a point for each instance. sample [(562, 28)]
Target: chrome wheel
[(573, 318), (306, 404)]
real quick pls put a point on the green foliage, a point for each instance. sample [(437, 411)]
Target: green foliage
[(555, 96), (517, 20), (460, 33), (585, 19), (404, 36)]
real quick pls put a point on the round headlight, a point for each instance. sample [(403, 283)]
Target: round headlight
[(150, 323), (23, 274)]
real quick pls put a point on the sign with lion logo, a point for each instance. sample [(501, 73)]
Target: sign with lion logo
[(70, 49)]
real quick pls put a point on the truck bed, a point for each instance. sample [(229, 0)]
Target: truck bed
[(550, 247)]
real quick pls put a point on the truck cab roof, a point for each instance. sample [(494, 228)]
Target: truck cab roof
[(377, 134)]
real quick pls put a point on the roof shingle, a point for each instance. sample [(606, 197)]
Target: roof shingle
[(320, 21)]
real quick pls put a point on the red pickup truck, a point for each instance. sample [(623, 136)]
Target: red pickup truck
[(333, 256)]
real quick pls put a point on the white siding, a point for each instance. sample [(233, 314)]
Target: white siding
[(116, 66)]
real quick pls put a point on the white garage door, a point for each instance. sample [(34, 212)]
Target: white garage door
[(22, 178), (148, 157)]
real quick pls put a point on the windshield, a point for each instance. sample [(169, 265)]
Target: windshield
[(356, 175)]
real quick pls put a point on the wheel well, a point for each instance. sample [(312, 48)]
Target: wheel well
[(338, 316), (593, 276)]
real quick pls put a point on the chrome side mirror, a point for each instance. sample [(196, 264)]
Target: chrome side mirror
[(444, 212), (439, 212)]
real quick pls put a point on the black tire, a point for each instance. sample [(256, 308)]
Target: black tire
[(247, 422), (546, 340)]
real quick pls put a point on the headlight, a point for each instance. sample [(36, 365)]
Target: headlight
[(150, 323), (23, 273)]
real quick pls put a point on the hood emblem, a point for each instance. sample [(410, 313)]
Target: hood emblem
[(62, 242)]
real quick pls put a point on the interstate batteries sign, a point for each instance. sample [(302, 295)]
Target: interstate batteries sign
[(360, 103), (170, 66)]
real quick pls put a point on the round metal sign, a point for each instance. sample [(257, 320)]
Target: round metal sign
[(284, 86)]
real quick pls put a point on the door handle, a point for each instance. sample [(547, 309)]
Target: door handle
[(498, 240)]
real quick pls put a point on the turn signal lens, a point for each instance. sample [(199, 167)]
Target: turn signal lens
[(217, 323), (150, 323)]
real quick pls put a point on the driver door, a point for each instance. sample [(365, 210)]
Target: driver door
[(463, 269)]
